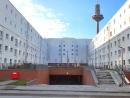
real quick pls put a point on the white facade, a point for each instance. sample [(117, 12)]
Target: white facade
[(67, 50), (19, 41), (107, 47)]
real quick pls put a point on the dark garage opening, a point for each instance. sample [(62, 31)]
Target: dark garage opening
[(65, 80)]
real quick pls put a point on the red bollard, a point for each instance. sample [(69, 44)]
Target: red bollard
[(15, 75)]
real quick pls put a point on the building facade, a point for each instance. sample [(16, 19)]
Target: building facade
[(67, 50), (112, 45), (19, 41)]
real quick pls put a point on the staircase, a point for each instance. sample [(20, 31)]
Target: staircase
[(104, 77)]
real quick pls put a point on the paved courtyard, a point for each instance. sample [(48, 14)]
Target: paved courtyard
[(65, 91)]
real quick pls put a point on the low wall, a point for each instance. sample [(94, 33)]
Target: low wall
[(87, 77), (127, 75), (42, 76), (65, 70)]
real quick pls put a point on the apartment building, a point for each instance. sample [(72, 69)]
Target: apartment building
[(19, 41), (112, 45), (67, 50)]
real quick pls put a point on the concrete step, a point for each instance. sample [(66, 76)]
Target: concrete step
[(104, 77), (107, 80)]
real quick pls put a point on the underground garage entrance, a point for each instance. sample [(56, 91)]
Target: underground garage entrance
[(65, 80)]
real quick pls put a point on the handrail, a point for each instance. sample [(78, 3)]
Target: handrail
[(123, 76), (93, 71)]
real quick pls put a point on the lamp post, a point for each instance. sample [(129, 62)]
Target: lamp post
[(122, 64), (67, 59)]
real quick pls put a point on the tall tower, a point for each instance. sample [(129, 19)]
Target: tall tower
[(97, 17)]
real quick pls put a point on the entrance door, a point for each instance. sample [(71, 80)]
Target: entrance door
[(65, 80)]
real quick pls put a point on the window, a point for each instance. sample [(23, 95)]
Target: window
[(128, 36), (1, 35), (124, 11), (6, 6), (123, 38), (10, 61), (120, 26), (15, 61), (110, 33), (124, 22), (119, 52), (72, 49), (63, 49), (63, 53), (20, 43), (21, 30), (115, 43), (111, 45), (15, 52), (10, 22), (115, 52), (72, 54), (59, 45), (111, 63), (5, 19), (6, 48), (114, 21), (107, 46), (123, 50), (7, 36), (11, 11), (0, 47), (21, 21), (64, 45), (115, 62), (123, 62), (12, 38), (114, 30), (11, 49), (128, 61), (120, 15), (19, 52), (15, 15), (111, 53), (72, 45), (15, 25), (129, 48), (16, 42), (119, 41), (19, 61), (5, 60)]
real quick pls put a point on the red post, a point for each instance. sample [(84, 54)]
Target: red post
[(15, 75)]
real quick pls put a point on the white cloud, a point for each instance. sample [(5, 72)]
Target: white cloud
[(43, 19)]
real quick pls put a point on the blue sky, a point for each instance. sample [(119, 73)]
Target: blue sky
[(66, 18)]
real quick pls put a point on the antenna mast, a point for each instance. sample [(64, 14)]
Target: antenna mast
[(97, 17)]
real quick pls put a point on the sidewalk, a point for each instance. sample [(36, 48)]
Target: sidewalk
[(6, 82)]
